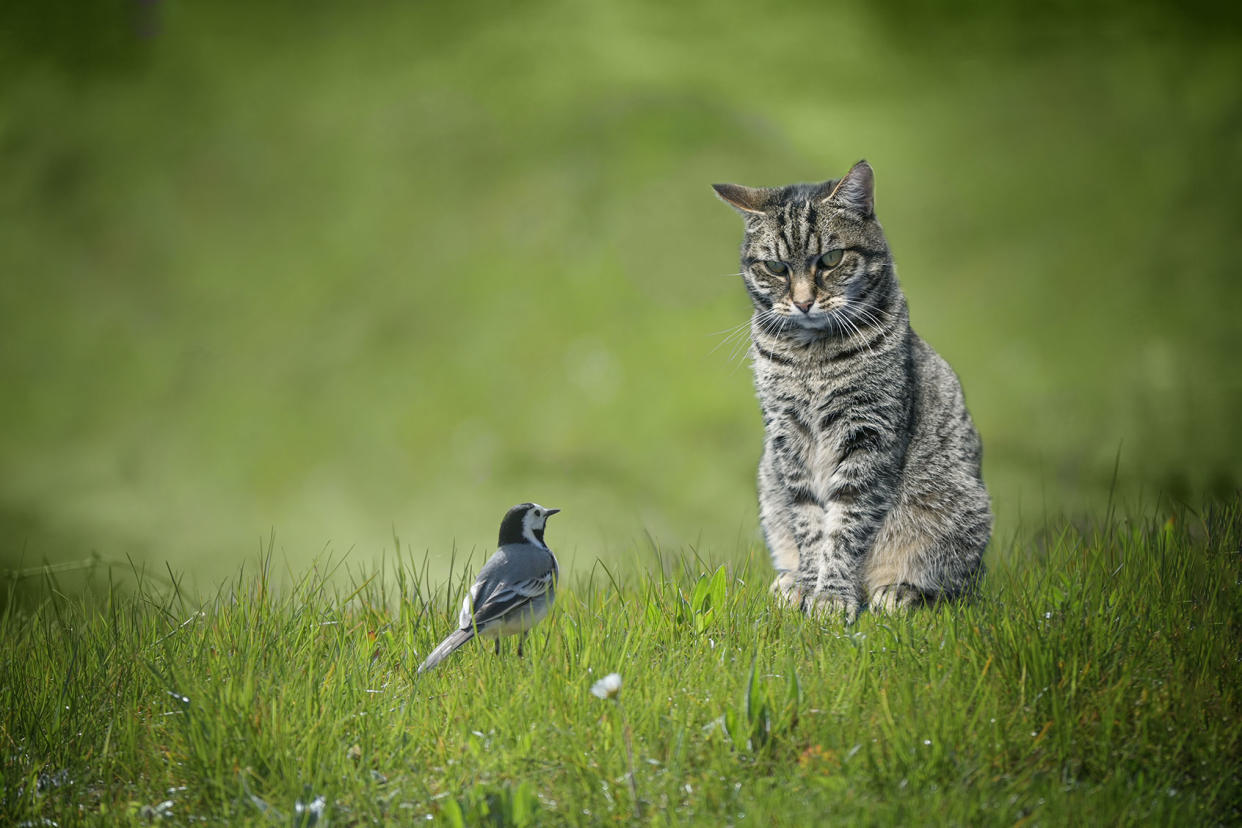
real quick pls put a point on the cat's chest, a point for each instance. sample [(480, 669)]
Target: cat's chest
[(794, 401), (782, 387), (800, 415)]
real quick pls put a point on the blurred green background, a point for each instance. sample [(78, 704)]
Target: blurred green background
[(336, 270)]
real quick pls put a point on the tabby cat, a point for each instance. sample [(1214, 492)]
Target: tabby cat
[(870, 489)]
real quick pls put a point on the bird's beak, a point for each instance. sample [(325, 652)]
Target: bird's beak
[(551, 512)]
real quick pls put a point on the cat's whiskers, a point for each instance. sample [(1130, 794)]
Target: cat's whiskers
[(741, 345), (763, 320), (856, 331), (836, 324), (738, 337), (742, 331), (866, 317), (872, 312), (730, 334), (732, 329), (786, 321), (870, 318), (869, 311)]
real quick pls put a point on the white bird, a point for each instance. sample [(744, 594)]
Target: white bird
[(515, 588)]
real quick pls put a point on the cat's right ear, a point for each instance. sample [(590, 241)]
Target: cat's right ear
[(856, 191), (746, 200)]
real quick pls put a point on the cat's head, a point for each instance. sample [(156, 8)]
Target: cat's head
[(814, 258)]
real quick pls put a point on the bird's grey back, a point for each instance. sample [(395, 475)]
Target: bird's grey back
[(516, 562)]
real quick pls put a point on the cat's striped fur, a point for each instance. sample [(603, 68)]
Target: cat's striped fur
[(870, 488)]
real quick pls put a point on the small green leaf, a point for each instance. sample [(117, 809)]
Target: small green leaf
[(701, 595), (684, 609), (718, 588), (793, 689), (761, 727), (525, 805), (451, 813), (752, 689)]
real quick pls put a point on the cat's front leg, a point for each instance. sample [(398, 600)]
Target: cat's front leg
[(774, 519), (801, 526), (830, 578), (855, 493)]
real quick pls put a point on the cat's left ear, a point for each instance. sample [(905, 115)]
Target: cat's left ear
[(752, 200), (856, 191)]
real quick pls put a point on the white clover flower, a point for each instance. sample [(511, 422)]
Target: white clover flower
[(609, 687)]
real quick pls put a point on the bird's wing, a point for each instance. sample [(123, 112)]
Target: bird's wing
[(521, 579)]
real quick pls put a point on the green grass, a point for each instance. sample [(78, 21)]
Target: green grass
[(1096, 681)]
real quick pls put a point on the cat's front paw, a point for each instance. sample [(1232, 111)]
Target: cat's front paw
[(786, 588), (827, 605), (894, 598)]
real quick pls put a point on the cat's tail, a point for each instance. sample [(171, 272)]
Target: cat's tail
[(446, 648)]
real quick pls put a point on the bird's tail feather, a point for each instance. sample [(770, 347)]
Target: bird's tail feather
[(446, 648)]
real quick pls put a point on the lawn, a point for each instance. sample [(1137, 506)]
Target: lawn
[(1095, 681)]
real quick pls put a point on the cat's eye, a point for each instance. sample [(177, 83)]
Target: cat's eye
[(831, 259), (777, 268)]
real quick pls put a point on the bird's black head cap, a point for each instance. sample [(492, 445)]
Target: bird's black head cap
[(524, 524)]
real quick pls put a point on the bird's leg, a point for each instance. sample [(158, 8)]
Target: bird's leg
[(497, 645), (521, 641)]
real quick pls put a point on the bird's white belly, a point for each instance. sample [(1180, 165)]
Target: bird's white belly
[(518, 621)]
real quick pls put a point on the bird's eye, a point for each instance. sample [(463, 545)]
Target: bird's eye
[(831, 259), (777, 268)]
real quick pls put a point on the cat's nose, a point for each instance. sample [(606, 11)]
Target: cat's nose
[(805, 307)]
